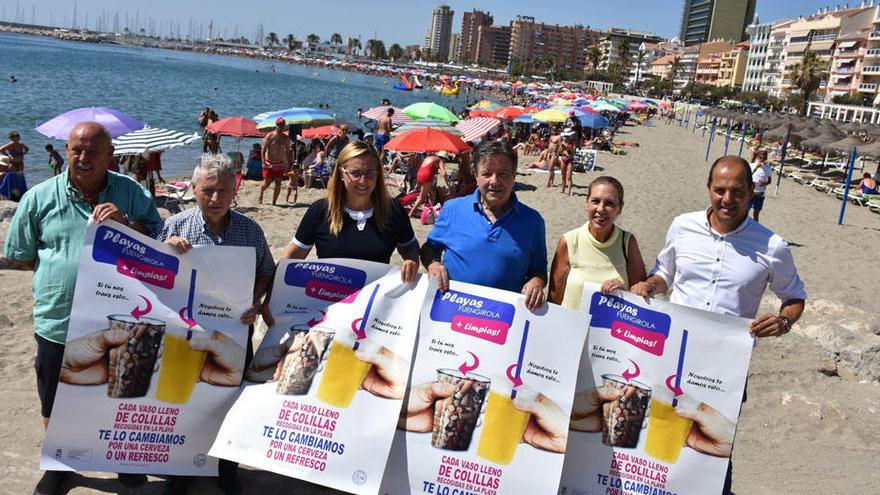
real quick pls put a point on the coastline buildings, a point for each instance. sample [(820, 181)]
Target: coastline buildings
[(493, 45), (647, 53), (704, 20), (610, 44), (441, 32), (550, 45), (471, 22)]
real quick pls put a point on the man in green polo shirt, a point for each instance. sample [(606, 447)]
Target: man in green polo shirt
[(47, 235)]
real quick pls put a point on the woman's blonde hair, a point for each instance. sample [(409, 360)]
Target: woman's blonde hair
[(380, 199)]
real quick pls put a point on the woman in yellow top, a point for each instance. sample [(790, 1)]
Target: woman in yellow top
[(598, 252)]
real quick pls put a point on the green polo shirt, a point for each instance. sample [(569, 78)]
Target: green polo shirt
[(49, 228)]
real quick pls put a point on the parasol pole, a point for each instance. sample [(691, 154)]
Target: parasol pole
[(743, 142), (706, 124), (727, 139), (711, 137), (782, 158), (849, 172)]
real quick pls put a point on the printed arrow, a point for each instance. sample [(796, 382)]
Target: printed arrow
[(359, 326), (315, 321), (137, 312), (465, 368), (627, 375), (513, 374), (675, 388), (183, 313)]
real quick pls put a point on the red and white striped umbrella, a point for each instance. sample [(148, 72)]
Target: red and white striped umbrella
[(473, 129), (377, 113)]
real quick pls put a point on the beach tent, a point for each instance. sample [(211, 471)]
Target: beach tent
[(151, 139), (116, 122)]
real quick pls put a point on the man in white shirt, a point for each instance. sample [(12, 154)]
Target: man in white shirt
[(762, 175), (719, 260)]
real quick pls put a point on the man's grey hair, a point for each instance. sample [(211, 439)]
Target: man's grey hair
[(213, 165)]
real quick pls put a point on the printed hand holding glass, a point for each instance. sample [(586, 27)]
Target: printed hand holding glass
[(622, 418), (455, 417), (667, 431), (504, 424), (180, 368), (131, 364), (344, 372)]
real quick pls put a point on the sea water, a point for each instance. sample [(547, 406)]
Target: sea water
[(168, 89)]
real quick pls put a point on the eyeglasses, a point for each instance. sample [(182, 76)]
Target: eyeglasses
[(358, 175)]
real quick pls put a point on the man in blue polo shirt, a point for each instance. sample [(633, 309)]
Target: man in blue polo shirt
[(47, 235), (490, 238)]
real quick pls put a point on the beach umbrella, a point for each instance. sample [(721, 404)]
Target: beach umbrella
[(636, 105), (235, 126), (588, 110), (509, 112), (150, 139), (481, 113), (424, 124), (526, 118), (116, 122), (306, 117), (593, 121), (427, 140), (427, 110), (377, 113), (485, 105), (604, 107), (551, 115), (871, 150), (473, 129), (843, 145), (323, 132)]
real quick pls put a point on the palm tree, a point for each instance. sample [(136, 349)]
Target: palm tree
[(313, 38), (395, 52), (272, 39), (290, 41), (674, 68), (640, 58), (594, 55), (807, 76), (354, 44), (376, 48), (623, 51), (427, 54), (336, 39)]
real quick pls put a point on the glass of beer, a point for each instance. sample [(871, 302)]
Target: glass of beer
[(504, 424), (344, 372), (456, 416), (301, 363), (667, 431), (623, 418), (180, 368), (131, 364)]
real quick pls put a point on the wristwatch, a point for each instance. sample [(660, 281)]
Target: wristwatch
[(786, 322)]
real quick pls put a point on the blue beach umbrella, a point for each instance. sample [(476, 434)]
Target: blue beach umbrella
[(593, 121), (525, 118)]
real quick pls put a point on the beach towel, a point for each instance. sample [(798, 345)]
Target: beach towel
[(13, 186), (430, 214)]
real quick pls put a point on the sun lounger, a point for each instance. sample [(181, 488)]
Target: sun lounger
[(856, 200)]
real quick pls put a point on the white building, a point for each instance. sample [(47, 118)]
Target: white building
[(649, 53), (759, 39), (441, 31)]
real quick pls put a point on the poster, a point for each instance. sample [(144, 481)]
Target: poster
[(658, 397), (155, 353), (490, 396), (322, 396)]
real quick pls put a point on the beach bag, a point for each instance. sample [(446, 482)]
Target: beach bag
[(430, 213)]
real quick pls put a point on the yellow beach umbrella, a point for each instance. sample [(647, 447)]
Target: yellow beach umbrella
[(551, 115)]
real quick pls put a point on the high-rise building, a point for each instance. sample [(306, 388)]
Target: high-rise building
[(759, 41), (454, 47), (550, 45), (441, 32), (493, 45), (704, 20), (470, 24)]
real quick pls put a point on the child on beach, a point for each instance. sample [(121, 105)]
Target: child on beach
[(292, 185), (55, 159)]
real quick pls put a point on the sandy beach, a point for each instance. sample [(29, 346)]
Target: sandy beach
[(814, 395)]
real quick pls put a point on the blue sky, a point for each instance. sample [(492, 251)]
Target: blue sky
[(396, 21)]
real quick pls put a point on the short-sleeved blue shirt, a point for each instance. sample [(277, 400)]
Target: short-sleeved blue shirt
[(503, 255)]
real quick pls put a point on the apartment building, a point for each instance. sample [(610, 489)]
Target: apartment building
[(661, 68), (708, 69), (695, 55), (441, 31), (759, 40), (704, 20), (470, 25), (550, 44), (774, 63), (611, 42), (642, 60), (732, 71), (493, 45)]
